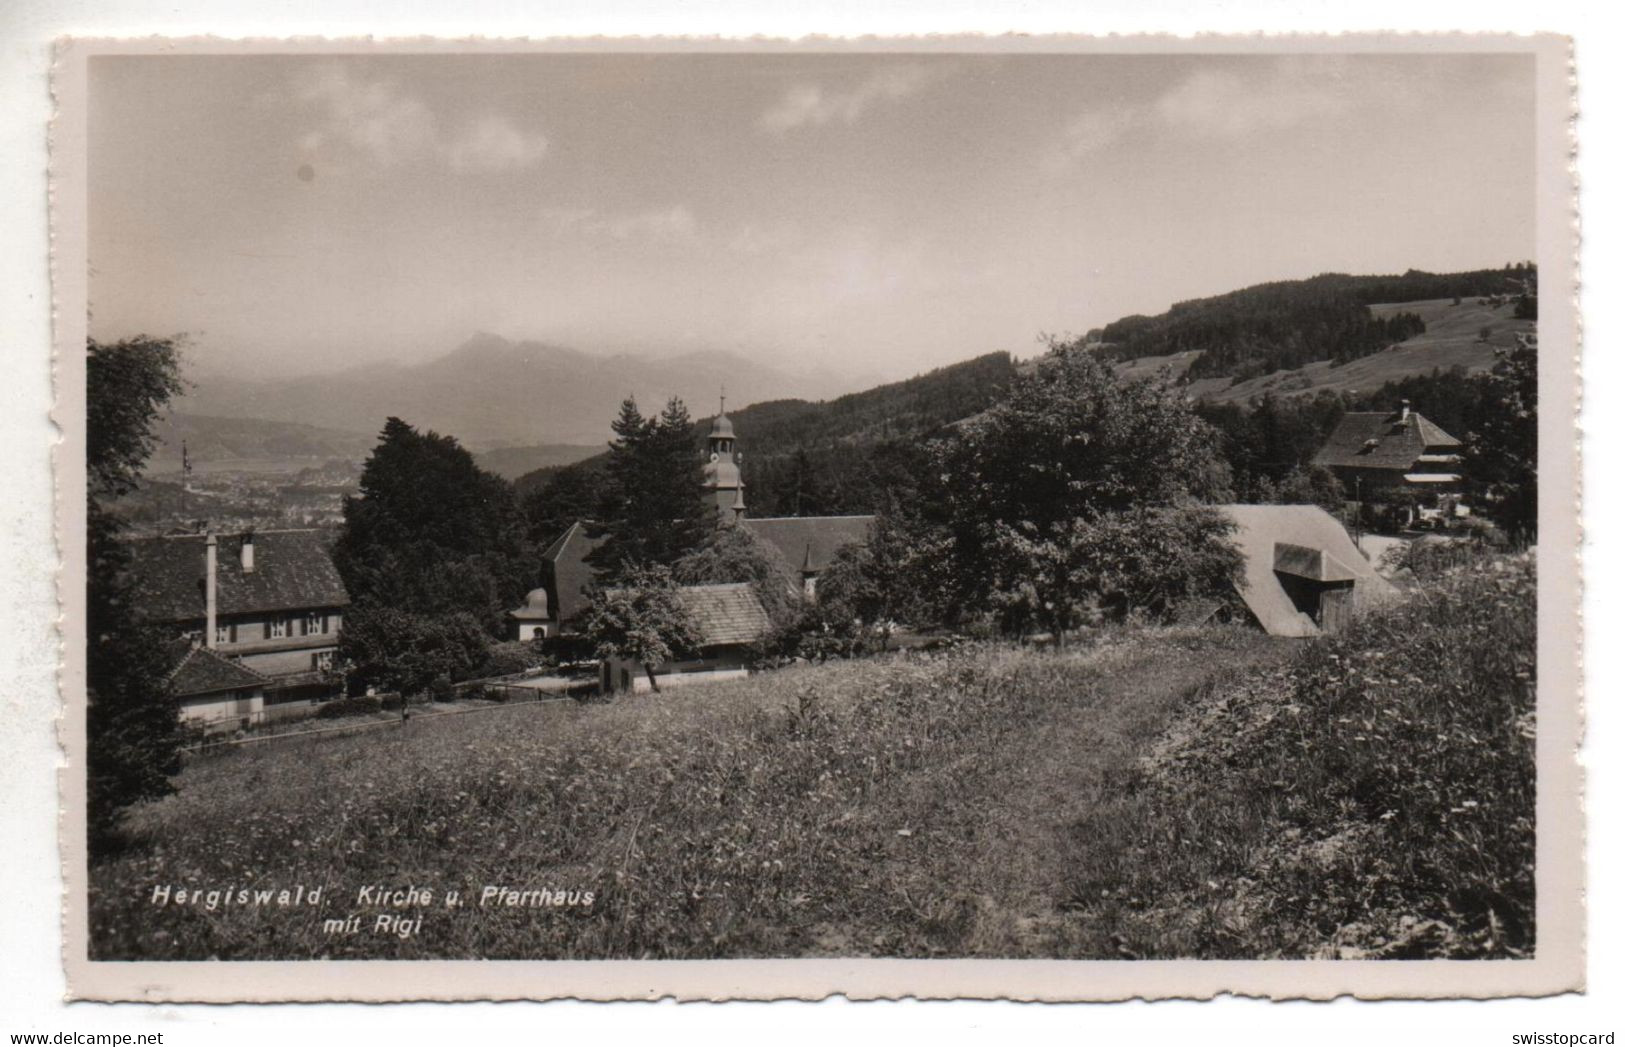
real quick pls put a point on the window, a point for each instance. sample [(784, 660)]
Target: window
[(225, 632), (277, 628), (315, 622), (322, 661)]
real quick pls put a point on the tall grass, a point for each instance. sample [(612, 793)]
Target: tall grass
[(842, 809), (1373, 798), (1179, 792)]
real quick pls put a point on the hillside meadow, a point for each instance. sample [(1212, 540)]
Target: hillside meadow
[(1148, 793), (1452, 339)]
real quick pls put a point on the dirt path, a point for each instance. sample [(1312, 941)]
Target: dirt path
[(1005, 838)]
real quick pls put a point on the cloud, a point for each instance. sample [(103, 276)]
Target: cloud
[(1090, 133), (1216, 103), (667, 224), (376, 119), (1222, 104), (765, 238), (811, 105), (494, 144)]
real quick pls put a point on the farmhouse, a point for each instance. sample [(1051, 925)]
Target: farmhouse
[(729, 618), (270, 603), (807, 543), (1383, 452), (1302, 574), (213, 691)]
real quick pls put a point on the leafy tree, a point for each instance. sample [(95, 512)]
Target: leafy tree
[(1502, 453), (132, 725), (640, 619), (736, 554), (393, 649), (1137, 561), (1315, 485), (877, 582), (568, 495), (652, 512), (1071, 440), (432, 533), (434, 555)]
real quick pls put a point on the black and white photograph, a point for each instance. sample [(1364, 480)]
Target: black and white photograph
[(848, 504)]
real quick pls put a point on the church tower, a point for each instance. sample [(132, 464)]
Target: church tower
[(724, 487)]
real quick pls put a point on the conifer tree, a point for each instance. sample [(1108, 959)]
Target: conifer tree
[(132, 725), (652, 511)]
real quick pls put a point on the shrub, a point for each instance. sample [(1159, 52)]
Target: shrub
[(506, 658), (338, 708)]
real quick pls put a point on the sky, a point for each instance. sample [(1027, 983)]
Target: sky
[(874, 215)]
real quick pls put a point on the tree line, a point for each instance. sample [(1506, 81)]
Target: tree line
[(1287, 324)]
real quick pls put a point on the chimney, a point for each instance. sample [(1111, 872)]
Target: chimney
[(210, 546), (248, 552), (1404, 410)]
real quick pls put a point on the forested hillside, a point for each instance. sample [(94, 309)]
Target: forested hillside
[(835, 456), (1287, 324)]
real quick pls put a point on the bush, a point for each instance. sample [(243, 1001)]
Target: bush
[(361, 705), (506, 658)]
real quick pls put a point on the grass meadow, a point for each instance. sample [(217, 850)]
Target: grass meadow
[(1148, 793)]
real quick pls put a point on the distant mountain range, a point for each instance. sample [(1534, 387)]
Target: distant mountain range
[(491, 392)]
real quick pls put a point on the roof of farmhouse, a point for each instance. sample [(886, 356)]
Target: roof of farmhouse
[(293, 570), (1382, 440)]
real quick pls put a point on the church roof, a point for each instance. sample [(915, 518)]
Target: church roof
[(1382, 440), (293, 570), (722, 426), (569, 570), (808, 543)]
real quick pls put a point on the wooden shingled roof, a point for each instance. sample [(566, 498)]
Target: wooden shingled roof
[(293, 570), (726, 614), (1382, 440)]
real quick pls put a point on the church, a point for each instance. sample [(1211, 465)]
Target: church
[(807, 543)]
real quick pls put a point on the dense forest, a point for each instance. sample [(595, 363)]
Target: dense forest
[(1287, 324)]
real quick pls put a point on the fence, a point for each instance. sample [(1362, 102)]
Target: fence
[(514, 697)]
